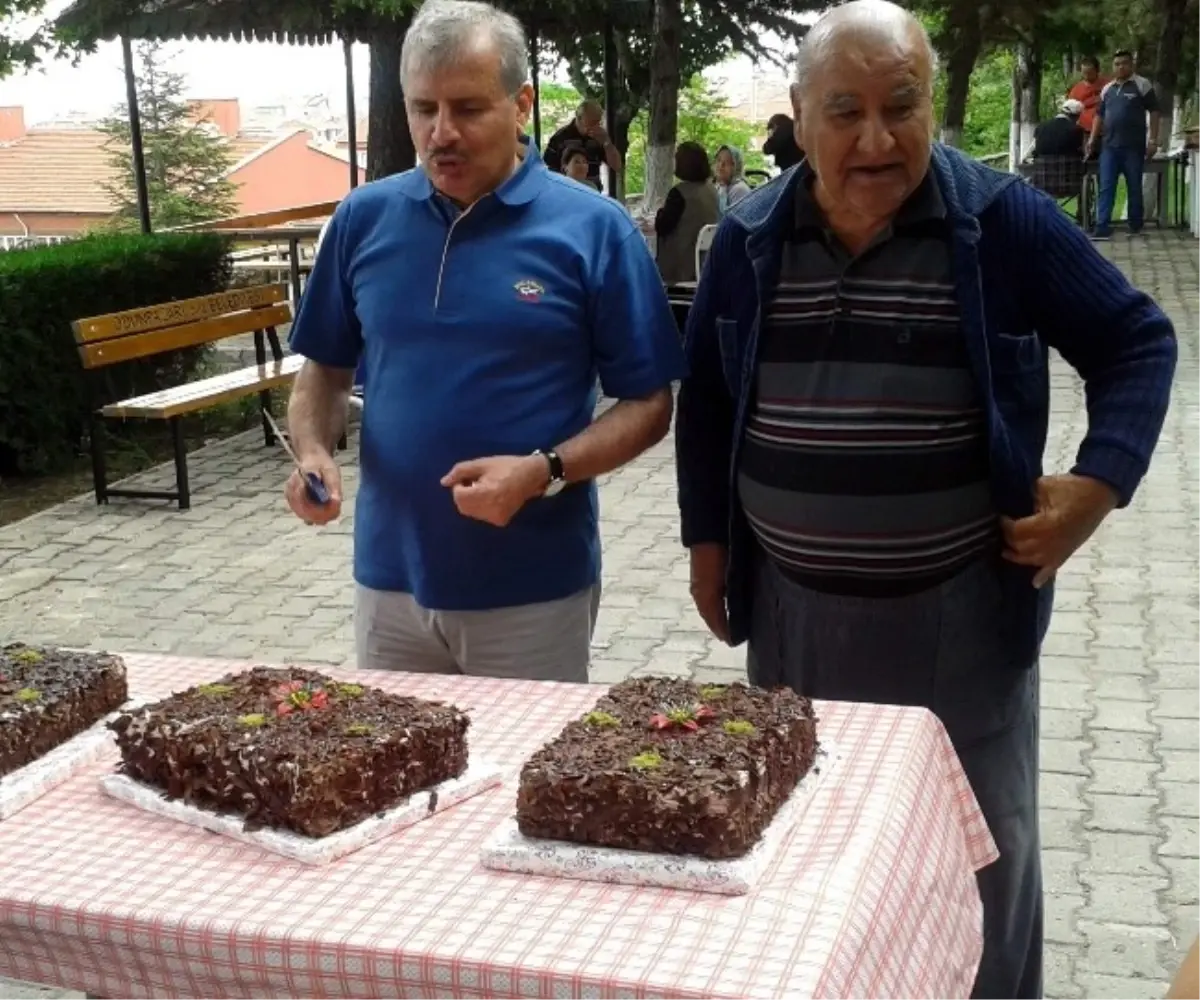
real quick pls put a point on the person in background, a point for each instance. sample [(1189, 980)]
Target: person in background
[(1125, 102), (860, 437), (585, 130), (1187, 978), (728, 169), (781, 142), (485, 296), (575, 165), (690, 206), (1087, 91), (1060, 135)]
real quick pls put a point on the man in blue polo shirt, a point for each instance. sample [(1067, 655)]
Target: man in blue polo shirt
[(484, 295)]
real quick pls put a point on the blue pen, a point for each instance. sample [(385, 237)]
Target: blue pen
[(318, 492)]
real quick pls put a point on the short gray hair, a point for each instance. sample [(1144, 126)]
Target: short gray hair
[(876, 17), (444, 30)]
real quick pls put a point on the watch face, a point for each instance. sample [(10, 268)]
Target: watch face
[(555, 487)]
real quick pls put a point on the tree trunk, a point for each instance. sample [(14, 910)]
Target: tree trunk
[(664, 101), (389, 145), (1014, 122), (964, 40), (1170, 59), (1027, 82)]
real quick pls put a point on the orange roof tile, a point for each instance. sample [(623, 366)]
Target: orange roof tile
[(56, 170), (66, 170)]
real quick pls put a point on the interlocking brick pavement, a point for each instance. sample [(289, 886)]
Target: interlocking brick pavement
[(238, 576)]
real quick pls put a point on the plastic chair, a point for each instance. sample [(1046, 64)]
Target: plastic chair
[(704, 241)]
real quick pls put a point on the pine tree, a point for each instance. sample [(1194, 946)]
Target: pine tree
[(187, 160)]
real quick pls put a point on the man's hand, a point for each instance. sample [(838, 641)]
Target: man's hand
[(1089, 147), (709, 561), (1151, 149), (598, 133), (303, 506), (494, 489), (1069, 509)]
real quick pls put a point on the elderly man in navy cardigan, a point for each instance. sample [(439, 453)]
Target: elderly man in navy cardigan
[(860, 439)]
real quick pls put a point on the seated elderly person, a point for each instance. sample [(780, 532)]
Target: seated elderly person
[(690, 206), (860, 437), (1060, 135), (575, 165)]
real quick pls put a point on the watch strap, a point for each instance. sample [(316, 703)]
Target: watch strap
[(554, 463)]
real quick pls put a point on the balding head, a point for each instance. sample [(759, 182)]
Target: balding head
[(865, 24), (589, 114), (864, 110)]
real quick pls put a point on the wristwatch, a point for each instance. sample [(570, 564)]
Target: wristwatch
[(558, 477)]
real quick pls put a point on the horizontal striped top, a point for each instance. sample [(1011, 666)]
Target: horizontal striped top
[(864, 468)]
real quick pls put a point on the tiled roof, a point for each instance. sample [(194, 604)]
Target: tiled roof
[(56, 170), (66, 170)]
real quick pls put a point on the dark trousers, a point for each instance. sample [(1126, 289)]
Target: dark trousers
[(1114, 163), (942, 649)]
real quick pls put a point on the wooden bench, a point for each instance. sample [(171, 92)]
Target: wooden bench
[(145, 333)]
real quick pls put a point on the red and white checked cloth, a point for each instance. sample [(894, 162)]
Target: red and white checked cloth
[(874, 896)]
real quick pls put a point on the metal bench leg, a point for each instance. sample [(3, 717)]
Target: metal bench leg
[(181, 471), (99, 472), (264, 403)]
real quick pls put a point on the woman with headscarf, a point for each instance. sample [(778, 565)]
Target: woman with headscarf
[(728, 168)]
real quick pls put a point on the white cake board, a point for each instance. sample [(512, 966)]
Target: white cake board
[(509, 851), (27, 784), (478, 777)]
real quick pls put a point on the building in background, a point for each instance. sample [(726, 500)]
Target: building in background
[(53, 176)]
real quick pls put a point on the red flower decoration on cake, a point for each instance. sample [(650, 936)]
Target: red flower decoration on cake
[(685, 717), (296, 696)]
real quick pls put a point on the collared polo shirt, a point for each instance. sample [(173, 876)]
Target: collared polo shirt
[(482, 332), (864, 469), (1124, 105)]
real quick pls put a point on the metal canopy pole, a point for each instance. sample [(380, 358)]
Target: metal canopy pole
[(610, 110), (135, 136), (537, 89), (351, 114)]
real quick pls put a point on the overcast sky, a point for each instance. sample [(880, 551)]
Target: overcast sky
[(254, 72)]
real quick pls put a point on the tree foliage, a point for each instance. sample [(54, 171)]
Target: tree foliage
[(186, 159), (703, 117)]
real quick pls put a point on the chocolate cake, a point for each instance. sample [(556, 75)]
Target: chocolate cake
[(670, 767), (292, 749), (49, 695)]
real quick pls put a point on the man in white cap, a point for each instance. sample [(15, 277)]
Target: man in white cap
[(1061, 135)]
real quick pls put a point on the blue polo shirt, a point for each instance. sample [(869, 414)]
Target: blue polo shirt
[(1123, 107), (482, 333)]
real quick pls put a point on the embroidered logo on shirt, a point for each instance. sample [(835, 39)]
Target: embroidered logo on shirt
[(529, 290)]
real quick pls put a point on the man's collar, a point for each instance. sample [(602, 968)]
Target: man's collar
[(925, 204), (522, 186)]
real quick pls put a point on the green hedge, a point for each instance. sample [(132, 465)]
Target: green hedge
[(43, 394)]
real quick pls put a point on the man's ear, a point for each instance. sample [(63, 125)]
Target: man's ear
[(524, 98)]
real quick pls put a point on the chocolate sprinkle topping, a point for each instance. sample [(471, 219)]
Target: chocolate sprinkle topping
[(336, 754), (662, 787), (49, 695)]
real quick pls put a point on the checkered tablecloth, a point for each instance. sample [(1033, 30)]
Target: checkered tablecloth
[(874, 896)]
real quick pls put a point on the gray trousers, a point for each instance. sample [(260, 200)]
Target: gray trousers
[(546, 642), (942, 649)]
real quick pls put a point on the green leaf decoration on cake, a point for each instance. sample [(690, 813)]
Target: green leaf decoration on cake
[(738, 727), (359, 729), (29, 656), (646, 761), (711, 692), (603, 720), (348, 690), (215, 690), (28, 695), (253, 720)]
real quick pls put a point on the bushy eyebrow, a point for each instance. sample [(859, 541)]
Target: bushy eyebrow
[(847, 101)]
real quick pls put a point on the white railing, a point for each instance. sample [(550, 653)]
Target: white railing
[(23, 242)]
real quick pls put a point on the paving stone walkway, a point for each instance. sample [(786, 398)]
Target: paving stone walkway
[(238, 576)]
